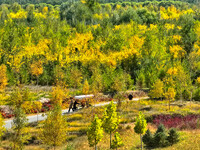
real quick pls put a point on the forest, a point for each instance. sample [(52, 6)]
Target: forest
[(112, 47), (138, 61)]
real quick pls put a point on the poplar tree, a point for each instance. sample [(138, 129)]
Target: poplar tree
[(140, 126), (21, 133), (110, 120), (86, 87), (157, 89), (95, 132), (3, 77), (170, 95), (54, 128), (20, 130)]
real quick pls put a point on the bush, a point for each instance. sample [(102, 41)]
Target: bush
[(161, 128), (177, 121), (196, 96), (173, 136), (160, 139), (148, 139)]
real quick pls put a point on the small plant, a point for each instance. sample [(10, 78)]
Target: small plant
[(117, 142)]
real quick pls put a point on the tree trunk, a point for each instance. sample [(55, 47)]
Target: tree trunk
[(110, 139), (141, 140), (37, 80), (95, 146), (37, 115)]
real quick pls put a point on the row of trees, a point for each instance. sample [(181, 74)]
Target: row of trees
[(109, 124), (58, 2)]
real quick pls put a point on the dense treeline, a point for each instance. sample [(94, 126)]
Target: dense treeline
[(59, 2), (110, 46)]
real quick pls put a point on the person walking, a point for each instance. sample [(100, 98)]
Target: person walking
[(75, 107)]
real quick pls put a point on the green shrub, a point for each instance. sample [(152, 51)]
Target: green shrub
[(173, 136), (160, 139), (161, 128), (196, 96), (148, 139)]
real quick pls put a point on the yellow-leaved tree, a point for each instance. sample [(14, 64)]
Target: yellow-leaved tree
[(3, 78), (37, 69), (157, 89), (86, 87), (58, 95), (170, 95), (54, 128)]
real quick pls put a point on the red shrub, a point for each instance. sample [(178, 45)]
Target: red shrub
[(177, 121)]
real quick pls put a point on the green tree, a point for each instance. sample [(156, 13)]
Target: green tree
[(2, 128), (157, 89), (95, 132), (20, 122), (117, 142), (148, 139), (160, 137), (140, 126), (54, 128), (173, 136), (110, 120), (21, 133)]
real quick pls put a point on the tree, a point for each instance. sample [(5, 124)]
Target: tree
[(148, 139), (37, 105), (173, 136), (21, 133), (19, 127), (170, 95), (54, 128), (157, 89), (160, 137), (75, 77), (37, 69), (117, 142), (110, 120), (86, 87), (3, 77), (140, 126), (2, 128), (95, 132), (58, 95)]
